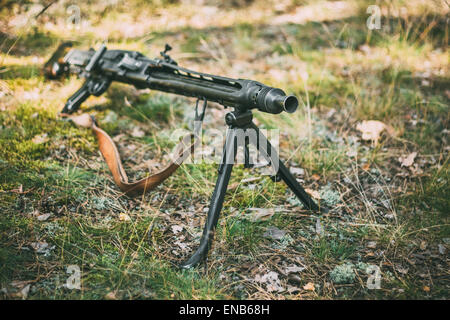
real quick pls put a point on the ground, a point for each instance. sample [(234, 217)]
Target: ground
[(387, 233)]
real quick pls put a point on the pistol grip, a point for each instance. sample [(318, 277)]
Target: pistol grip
[(91, 86), (75, 101)]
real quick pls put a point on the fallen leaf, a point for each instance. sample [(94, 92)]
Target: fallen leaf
[(23, 293), (309, 286), (371, 244), (294, 278), (292, 289), (297, 171), (423, 245), (137, 132), (124, 217), (182, 245), (111, 296), (271, 287), (319, 227), (277, 74), (39, 139), (294, 269), (118, 137), (408, 160), (313, 193), (426, 288), (31, 95), (44, 216), (39, 247), (365, 48), (371, 130), (351, 153), (176, 229), (274, 233), (19, 284), (271, 281), (402, 269), (257, 214)]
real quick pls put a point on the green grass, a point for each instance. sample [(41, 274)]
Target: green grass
[(130, 272)]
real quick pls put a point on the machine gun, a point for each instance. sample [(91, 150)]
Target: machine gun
[(101, 67)]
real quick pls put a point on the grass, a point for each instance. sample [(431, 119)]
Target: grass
[(382, 213)]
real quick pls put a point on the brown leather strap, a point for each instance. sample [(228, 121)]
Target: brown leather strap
[(111, 155)]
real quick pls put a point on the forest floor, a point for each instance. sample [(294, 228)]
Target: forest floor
[(386, 182)]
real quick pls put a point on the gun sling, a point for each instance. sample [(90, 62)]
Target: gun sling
[(111, 155)]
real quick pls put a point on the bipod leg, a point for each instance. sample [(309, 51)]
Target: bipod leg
[(217, 199), (268, 152)]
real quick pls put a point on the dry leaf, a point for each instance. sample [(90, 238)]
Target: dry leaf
[(351, 153), (39, 247), (297, 171), (426, 288), (408, 160), (39, 139), (271, 280), (309, 286), (293, 269), (137, 132), (319, 227), (423, 245), (111, 296), (313, 193), (23, 293), (176, 229), (371, 244), (292, 289), (371, 130), (402, 270), (257, 214), (274, 233), (181, 244), (19, 284), (44, 216), (124, 217)]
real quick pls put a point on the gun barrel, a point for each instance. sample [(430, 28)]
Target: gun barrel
[(274, 100), (135, 69), (238, 93)]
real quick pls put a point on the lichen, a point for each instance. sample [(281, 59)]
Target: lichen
[(344, 273), (101, 203), (294, 201), (329, 196)]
